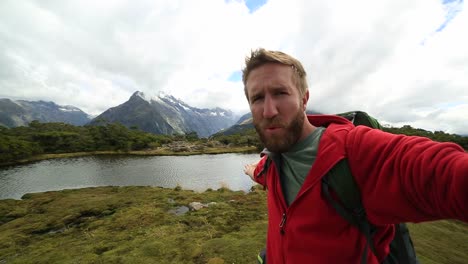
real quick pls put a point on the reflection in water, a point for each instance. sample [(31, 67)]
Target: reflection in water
[(197, 173)]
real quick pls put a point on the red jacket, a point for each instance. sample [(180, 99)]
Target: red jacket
[(401, 178)]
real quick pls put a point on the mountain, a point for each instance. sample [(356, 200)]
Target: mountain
[(164, 114), (242, 125), (15, 113), (245, 119)]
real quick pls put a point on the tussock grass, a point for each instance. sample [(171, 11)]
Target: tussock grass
[(441, 241), (133, 225)]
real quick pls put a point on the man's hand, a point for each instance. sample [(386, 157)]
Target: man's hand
[(249, 170)]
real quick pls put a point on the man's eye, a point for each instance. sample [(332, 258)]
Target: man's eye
[(256, 98)]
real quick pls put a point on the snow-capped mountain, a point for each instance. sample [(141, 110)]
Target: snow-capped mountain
[(164, 114), (15, 113)]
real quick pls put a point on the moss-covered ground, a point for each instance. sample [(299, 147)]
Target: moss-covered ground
[(135, 225)]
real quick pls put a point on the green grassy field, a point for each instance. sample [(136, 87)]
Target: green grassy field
[(135, 225)]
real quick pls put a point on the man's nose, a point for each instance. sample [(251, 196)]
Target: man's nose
[(269, 108)]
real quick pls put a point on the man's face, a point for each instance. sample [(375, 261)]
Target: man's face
[(277, 110)]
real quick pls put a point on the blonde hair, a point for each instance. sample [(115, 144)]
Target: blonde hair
[(262, 56)]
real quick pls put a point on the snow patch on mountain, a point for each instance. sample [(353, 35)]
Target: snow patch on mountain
[(184, 107), (144, 97), (68, 109)]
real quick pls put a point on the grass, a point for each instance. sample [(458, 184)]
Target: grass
[(134, 225), (441, 241)]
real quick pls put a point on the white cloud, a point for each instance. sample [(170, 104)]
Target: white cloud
[(384, 57), (374, 60)]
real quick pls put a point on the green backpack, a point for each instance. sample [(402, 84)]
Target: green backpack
[(340, 180)]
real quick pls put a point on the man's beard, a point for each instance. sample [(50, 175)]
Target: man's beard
[(281, 143)]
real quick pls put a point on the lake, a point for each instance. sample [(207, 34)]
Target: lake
[(197, 173)]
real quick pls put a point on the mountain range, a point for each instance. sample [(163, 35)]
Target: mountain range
[(162, 114), (244, 123), (15, 113)]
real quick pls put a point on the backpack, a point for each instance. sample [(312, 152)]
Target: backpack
[(349, 206)]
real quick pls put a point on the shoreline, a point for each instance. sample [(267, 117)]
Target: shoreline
[(154, 152)]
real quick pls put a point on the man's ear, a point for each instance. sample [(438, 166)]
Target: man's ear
[(305, 99)]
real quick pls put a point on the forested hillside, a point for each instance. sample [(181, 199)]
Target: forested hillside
[(38, 138), (47, 138), (436, 135)]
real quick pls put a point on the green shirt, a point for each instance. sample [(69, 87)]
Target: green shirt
[(296, 163)]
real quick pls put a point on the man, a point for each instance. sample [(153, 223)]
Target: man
[(401, 178)]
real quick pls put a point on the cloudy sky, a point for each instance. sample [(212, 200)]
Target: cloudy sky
[(404, 62)]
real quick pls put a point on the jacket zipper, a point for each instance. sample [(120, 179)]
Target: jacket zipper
[(282, 205), (282, 224)]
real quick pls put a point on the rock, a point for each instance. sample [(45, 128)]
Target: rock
[(179, 210), (195, 206)]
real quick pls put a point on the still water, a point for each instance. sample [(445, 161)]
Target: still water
[(197, 173)]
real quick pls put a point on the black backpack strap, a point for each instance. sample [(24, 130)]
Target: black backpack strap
[(265, 166), (401, 248), (349, 205)]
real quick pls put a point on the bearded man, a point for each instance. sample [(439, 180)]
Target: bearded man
[(400, 178)]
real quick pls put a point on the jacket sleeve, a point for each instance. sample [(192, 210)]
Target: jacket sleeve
[(260, 171), (408, 178)]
